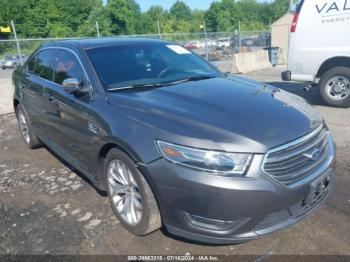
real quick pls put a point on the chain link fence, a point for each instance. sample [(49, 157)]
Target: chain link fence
[(218, 46)]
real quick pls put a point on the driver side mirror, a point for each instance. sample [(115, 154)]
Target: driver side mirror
[(72, 85)]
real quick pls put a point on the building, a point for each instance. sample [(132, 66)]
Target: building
[(280, 35)]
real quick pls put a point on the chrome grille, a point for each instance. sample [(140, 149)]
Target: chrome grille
[(292, 163)]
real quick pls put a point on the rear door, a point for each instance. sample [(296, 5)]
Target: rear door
[(38, 75), (67, 113)]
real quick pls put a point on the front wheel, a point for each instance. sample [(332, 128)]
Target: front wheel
[(335, 86), (26, 130), (130, 195)]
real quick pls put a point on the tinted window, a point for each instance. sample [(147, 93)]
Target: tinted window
[(120, 66), (68, 66), (31, 65), (43, 64)]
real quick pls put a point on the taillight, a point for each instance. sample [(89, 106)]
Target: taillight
[(294, 23)]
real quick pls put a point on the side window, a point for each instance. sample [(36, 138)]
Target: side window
[(67, 66), (43, 64), (31, 65)]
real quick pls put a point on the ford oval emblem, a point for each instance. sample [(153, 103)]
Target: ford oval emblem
[(314, 155)]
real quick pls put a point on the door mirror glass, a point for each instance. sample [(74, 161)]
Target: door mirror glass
[(71, 85)]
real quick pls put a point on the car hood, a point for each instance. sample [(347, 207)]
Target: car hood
[(231, 114)]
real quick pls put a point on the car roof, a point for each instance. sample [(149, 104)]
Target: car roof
[(89, 43)]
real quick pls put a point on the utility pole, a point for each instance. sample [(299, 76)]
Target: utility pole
[(206, 40), (158, 26), (97, 29), (17, 43), (239, 36)]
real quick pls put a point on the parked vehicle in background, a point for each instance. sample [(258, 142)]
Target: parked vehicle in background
[(248, 41), (195, 44), (264, 39), (224, 42), (12, 61), (261, 40), (319, 49), (9, 62), (212, 43), (174, 142)]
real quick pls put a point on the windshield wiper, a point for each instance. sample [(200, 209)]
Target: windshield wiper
[(200, 77), (187, 79), (193, 78), (134, 86)]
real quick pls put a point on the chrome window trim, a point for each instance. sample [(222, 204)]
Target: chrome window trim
[(76, 56), (322, 168)]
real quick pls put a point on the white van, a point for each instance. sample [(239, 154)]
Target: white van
[(319, 48)]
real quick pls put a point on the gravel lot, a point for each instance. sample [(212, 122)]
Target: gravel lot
[(48, 208)]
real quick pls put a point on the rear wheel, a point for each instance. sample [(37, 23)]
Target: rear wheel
[(335, 86), (26, 131), (130, 195)]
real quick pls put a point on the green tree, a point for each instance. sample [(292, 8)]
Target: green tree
[(43, 17), (151, 17), (88, 28), (61, 18), (223, 15), (182, 26), (180, 11), (75, 13), (198, 17), (17, 11), (124, 16)]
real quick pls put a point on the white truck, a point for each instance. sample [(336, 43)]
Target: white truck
[(319, 49)]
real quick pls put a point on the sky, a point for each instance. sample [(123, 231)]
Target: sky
[(193, 4), (166, 4)]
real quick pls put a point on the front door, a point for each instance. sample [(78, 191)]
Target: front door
[(67, 113)]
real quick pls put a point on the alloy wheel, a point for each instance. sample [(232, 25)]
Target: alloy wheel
[(24, 126), (124, 191)]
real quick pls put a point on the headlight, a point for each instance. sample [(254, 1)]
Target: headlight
[(211, 161)]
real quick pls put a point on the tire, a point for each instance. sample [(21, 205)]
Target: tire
[(331, 91), (27, 133), (133, 191)]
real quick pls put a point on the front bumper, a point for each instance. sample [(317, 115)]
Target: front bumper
[(222, 210)]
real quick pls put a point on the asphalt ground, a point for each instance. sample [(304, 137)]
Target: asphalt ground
[(48, 208)]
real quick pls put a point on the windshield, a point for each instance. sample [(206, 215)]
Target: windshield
[(124, 66)]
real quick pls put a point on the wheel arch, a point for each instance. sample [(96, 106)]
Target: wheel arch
[(343, 60), (105, 149), (103, 152)]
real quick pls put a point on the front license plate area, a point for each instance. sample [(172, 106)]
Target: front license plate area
[(318, 188)]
